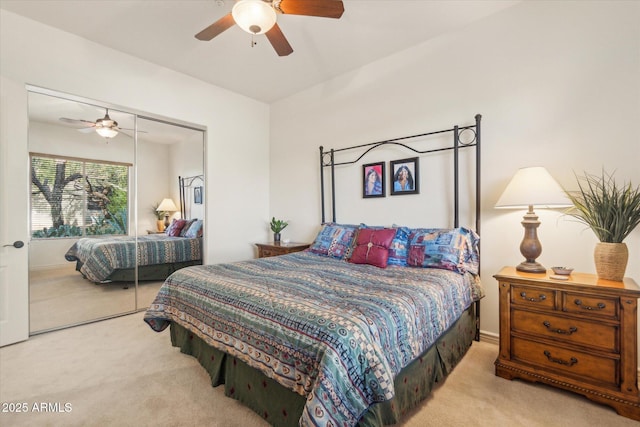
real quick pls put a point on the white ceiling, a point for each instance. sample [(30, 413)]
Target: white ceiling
[(48, 109), (162, 32)]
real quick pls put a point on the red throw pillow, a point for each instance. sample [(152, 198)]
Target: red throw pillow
[(175, 227), (372, 246)]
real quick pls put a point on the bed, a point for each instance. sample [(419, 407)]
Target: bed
[(355, 330), (113, 258), (106, 259)]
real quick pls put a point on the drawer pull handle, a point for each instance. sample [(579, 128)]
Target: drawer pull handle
[(542, 297), (571, 362), (571, 330), (599, 306)]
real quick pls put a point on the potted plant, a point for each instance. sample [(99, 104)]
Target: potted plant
[(160, 215), (277, 225), (612, 212)]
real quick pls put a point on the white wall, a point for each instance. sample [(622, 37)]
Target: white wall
[(35, 54), (558, 85), (154, 181)]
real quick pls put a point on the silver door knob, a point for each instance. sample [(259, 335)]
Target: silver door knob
[(17, 244)]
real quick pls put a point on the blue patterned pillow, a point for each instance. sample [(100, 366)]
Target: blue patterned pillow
[(334, 240), (186, 226), (449, 249), (195, 230), (398, 251)]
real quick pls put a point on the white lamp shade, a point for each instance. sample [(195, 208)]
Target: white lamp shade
[(254, 16), (533, 186), (167, 205)]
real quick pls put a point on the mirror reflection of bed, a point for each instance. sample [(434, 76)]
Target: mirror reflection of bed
[(152, 161)]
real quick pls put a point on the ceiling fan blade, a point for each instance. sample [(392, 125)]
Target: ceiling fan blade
[(278, 41), (216, 28), (321, 8), (85, 123), (86, 130), (121, 129)]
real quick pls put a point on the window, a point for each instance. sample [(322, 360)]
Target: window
[(75, 197)]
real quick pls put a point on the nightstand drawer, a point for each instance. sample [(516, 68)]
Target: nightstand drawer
[(568, 362), (533, 297), (270, 252), (277, 249), (582, 332), (590, 305)]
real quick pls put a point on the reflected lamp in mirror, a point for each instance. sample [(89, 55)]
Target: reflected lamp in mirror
[(529, 187), (166, 206)]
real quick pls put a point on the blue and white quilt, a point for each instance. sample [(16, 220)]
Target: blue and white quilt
[(99, 257), (330, 330)]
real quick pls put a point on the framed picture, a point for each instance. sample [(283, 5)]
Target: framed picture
[(373, 180), (404, 176), (197, 195)]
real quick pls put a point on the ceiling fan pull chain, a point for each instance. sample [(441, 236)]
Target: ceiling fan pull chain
[(253, 42)]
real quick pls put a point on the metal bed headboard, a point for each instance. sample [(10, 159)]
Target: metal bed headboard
[(185, 182), (327, 160)]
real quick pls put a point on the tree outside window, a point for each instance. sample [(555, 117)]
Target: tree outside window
[(71, 197)]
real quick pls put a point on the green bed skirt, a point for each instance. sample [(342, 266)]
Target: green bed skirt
[(280, 406), (146, 272)]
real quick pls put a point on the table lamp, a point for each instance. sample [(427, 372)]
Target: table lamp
[(529, 187), (166, 206)]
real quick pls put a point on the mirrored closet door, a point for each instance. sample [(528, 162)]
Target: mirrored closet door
[(98, 176)]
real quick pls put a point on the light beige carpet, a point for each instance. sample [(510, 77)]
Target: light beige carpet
[(119, 372), (60, 297)]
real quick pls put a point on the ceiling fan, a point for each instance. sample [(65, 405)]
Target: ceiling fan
[(259, 17), (106, 127)]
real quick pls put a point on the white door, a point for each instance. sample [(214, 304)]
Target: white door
[(14, 205)]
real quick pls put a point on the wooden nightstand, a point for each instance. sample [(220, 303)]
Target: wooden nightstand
[(579, 335), (275, 249)]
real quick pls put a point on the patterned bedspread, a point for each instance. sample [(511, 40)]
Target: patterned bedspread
[(101, 256), (335, 332)]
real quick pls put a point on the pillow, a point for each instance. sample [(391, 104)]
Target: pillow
[(372, 246), (399, 247), (186, 226), (399, 244), (195, 230), (449, 249), (175, 227), (334, 240)]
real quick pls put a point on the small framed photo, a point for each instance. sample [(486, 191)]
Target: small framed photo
[(197, 195), (373, 180), (404, 176)]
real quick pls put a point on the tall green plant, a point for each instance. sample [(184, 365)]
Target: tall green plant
[(610, 210)]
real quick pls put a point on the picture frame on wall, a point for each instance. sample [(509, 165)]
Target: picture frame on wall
[(404, 176), (197, 195), (373, 180)]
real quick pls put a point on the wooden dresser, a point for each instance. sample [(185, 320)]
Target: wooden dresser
[(275, 249), (579, 335)]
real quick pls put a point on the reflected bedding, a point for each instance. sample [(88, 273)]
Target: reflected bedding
[(97, 258)]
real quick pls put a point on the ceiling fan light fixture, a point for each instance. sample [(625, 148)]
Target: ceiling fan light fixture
[(106, 132), (254, 16)]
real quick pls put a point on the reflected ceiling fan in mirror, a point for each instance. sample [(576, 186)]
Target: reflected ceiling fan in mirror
[(106, 127), (259, 17)]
